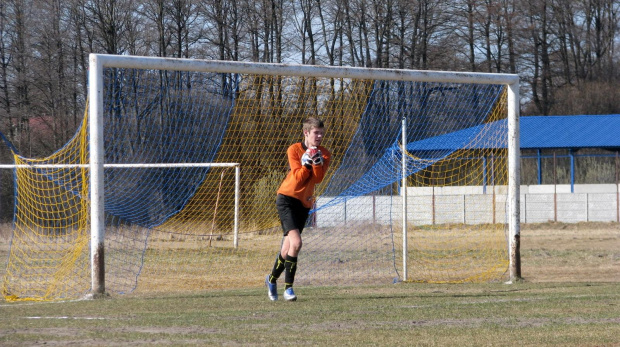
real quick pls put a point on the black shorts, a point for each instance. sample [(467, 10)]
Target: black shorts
[(292, 212)]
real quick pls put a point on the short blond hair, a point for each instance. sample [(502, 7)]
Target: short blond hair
[(312, 122)]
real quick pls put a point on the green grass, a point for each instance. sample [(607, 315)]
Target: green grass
[(568, 314)]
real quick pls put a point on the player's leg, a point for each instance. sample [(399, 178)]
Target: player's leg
[(270, 280), (293, 246), (285, 260), (286, 213), (293, 217), (292, 252)]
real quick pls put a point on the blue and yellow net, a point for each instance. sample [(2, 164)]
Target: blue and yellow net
[(170, 229)]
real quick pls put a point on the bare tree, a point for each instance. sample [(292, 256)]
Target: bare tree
[(109, 21), (350, 34), (51, 79), (564, 50), (307, 31), (510, 21), (5, 60), (381, 19), (184, 16), (541, 79), (331, 17), (155, 12), (223, 28), (21, 60)]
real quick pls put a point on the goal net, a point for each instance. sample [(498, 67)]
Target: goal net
[(173, 229)]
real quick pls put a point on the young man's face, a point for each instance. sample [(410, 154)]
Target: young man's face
[(314, 136)]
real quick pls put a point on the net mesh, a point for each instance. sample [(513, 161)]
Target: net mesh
[(49, 253), (171, 229)]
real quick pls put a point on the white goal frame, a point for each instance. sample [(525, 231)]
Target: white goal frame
[(98, 192), (97, 62)]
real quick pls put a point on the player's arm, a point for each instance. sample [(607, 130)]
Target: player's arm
[(320, 166), (300, 172)]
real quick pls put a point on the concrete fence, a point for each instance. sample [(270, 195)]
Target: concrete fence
[(476, 205)]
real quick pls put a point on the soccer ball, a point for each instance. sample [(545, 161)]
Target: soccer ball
[(312, 151)]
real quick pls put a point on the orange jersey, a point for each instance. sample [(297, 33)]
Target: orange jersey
[(300, 181)]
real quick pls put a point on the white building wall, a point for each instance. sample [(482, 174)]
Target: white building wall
[(476, 205)]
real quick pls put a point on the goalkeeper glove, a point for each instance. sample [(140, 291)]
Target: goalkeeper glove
[(306, 160), (317, 159)]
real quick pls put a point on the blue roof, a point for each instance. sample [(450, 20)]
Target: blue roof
[(537, 132)]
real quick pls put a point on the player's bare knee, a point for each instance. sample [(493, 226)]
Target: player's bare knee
[(295, 247)]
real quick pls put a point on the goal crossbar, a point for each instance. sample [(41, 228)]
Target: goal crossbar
[(162, 165), (218, 66)]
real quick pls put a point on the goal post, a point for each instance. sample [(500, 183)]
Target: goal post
[(100, 61), (514, 181)]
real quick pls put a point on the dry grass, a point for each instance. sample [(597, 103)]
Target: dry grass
[(550, 252), (551, 307), (196, 264), (581, 252)]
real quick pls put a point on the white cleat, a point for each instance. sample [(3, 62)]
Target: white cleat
[(289, 294), (272, 289)]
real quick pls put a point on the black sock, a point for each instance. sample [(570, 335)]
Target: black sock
[(290, 265), (278, 267)]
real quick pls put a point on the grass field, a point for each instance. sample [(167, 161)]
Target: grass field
[(570, 296)]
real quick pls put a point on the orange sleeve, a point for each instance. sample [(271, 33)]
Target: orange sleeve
[(318, 171), (300, 181), (300, 172)]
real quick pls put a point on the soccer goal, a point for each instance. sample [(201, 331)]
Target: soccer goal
[(423, 184)]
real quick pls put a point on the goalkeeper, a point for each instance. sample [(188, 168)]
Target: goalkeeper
[(308, 162)]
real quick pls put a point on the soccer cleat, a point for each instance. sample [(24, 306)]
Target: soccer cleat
[(289, 295), (272, 289)]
